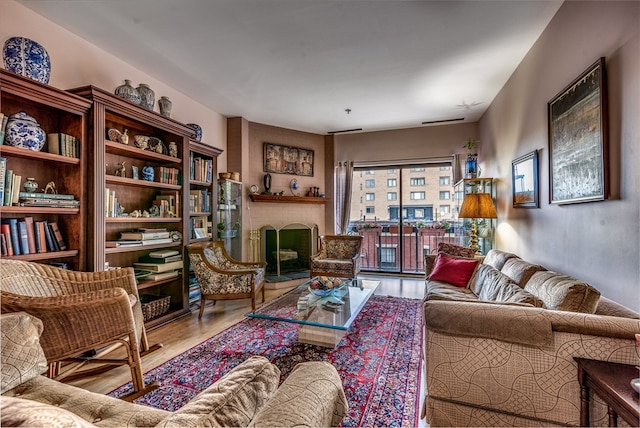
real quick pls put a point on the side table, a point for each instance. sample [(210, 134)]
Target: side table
[(611, 382)]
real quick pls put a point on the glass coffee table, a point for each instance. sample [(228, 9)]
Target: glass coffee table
[(323, 319)]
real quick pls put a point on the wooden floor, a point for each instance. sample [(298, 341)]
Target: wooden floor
[(182, 334)]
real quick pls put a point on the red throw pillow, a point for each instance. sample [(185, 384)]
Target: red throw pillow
[(452, 270)]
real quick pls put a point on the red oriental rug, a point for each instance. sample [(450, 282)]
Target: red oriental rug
[(379, 361)]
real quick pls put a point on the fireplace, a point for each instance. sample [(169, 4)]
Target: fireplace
[(287, 249)]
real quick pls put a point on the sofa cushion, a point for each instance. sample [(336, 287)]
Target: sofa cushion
[(437, 290), (497, 258), (455, 271), (563, 292), (22, 356), (513, 293), (456, 250), (489, 282), (233, 400), (520, 271), (17, 412)]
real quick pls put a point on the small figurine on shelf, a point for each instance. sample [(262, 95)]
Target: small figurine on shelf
[(124, 138), (120, 170), (50, 188)]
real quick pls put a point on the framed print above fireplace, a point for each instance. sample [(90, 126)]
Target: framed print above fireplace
[(578, 139), (288, 160)]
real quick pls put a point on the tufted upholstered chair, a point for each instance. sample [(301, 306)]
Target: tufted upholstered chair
[(81, 312), (220, 277), (339, 256)]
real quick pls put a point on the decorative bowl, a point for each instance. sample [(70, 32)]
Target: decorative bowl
[(324, 286), (23, 131), (141, 141), (27, 58), (197, 130)]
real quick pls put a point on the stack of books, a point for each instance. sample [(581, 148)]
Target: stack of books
[(161, 264), (142, 236)]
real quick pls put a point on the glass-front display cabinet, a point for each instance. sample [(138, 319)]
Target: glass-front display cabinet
[(485, 226), (229, 225)]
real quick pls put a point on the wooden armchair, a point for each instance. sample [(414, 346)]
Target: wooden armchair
[(220, 277), (86, 315), (339, 256)]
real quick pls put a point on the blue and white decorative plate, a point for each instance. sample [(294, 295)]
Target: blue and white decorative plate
[(27, 58)]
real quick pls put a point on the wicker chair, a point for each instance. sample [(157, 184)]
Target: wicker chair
[(86, 315), (339, 256), (220, 277)]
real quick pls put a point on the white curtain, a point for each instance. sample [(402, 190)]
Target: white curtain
[(343, 180)]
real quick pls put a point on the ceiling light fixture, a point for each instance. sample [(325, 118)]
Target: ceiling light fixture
[(469, 106), (348, 110)]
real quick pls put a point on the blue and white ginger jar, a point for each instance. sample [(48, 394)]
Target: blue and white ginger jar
[(128, 92), (148, 173), (24, 131), (197, 131), (27, 58)]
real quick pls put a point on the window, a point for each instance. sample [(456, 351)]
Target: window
[(392, 182), (418, 213), (445, 209), (419, 181), (370, 172), (445, 181), (416, 170), (388, 256), (445, 195), (370, 210), (392, 196), (392, 171), (370, 183), (370, 196), (417, 195)]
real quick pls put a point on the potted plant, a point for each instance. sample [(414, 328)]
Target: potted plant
[(472, 158), (406, 228)]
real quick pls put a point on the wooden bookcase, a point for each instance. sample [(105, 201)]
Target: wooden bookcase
[(56, 111), (202, 200), (105, 156)]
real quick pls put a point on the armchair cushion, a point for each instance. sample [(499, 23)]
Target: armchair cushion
[(233, 400), (22, 357)]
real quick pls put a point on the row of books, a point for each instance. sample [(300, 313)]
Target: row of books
[(26, 236), (10, 194), (160, 264), (199, 201), (142, 237), (3, 124), (200, 169), (167, 175), (63, 144)]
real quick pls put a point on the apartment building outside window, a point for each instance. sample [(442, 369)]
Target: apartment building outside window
[(417, 181), (370, 196), (370, 184), (445, 195), (392, 182), (417, 195), (445, 181)]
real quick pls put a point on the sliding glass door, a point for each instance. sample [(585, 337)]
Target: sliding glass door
[(402, 212)]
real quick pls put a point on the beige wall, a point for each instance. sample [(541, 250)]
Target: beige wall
[(597, 241), (75, 62), (246, 141)]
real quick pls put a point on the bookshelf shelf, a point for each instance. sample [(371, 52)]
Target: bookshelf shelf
[(51, 255), (36, 156), (114, 179)]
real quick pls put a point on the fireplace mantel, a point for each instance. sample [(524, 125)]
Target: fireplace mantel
[(288, 199)]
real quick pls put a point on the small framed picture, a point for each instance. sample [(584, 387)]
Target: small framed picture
[(524, 181), (134, 172)]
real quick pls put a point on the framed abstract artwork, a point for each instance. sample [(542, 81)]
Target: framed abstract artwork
[(578, 143), (524, 181), (288, 160)]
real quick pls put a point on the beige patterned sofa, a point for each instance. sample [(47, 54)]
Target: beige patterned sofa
[(499, 350), (248, 395)]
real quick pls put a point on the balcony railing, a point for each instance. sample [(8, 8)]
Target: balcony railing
[(386, 248)]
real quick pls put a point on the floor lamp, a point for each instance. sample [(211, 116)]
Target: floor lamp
[(474, 206)]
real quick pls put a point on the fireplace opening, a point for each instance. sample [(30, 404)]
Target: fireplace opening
[(287, 250)]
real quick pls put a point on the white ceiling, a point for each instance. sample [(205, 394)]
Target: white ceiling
[(300, 64)]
